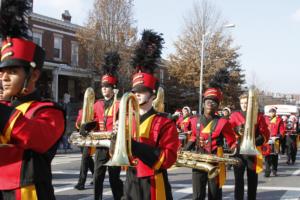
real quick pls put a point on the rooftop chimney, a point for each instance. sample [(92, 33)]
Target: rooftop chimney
[(66, 16)]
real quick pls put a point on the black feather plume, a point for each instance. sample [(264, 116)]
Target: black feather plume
[(112, 60), (147, 54), (220, 79), (13, 14)]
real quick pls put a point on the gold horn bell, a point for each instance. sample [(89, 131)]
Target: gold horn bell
[(248, 146), (128, 116)]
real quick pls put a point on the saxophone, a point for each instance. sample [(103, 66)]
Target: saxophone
[(203, 162), (94, 139)]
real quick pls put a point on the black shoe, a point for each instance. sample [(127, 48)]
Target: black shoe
[(293, 162), (79, 187), (288, 162), (92, 182), (274, 172)]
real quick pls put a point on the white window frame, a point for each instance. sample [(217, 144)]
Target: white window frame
[(74, 49), (38, 34), (60, 37)]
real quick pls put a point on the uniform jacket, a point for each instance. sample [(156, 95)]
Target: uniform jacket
[(220, 128), (32, 135), (104, 116), (237, 121), (159, 133), (184, 124), (275, 125)]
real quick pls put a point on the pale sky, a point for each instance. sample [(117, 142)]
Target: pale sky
[(267, 31)]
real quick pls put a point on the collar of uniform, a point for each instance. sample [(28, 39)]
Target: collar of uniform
[(108, 103), (30, 97), (243, 113), (147, 114), (204, 121)]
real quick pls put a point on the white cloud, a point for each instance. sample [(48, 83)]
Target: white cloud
[(54, 8), (296, 15)]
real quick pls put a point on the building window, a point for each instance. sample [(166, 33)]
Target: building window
[(74, 54), (37, 38), (57, 47)]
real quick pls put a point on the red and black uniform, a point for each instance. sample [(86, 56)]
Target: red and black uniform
[(212, 133), (104, 110), (291, 140), (184, 127), (156, 151), (184, 123), (253, 164), (103, 115), (32, 129), (276, 128)]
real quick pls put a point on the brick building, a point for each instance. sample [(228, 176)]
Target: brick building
[(65, 66)]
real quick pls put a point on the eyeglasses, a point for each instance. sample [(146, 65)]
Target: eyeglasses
[(211, 102)]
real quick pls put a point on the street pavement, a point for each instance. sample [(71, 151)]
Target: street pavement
[(65, 169)]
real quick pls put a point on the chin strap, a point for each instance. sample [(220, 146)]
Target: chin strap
[(24, 89)]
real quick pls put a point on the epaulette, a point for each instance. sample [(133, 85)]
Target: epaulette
[(55, 104), (164, 114)]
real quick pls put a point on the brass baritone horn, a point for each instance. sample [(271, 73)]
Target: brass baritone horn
[(88, 106), (128, 109), (94, 139), (248, 146), (158, 103)]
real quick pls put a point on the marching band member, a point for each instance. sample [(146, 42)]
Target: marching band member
[(283, 141), (184, 124), (30, 128), (156, 149), (207, 138), (104, 113), (253, 164), (226, 112), (291, 139), (276, 128)]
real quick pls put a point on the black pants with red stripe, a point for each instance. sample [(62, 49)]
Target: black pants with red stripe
[(200, 180), (239, 171)]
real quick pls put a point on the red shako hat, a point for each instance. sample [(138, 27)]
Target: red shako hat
[(17, 49)]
